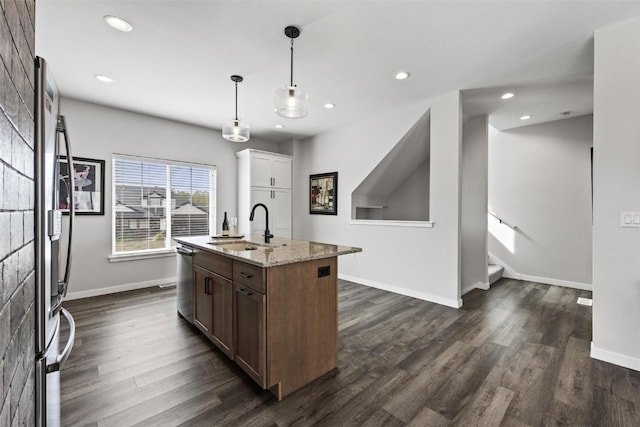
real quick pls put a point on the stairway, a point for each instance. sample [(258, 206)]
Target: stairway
[(495, 273)]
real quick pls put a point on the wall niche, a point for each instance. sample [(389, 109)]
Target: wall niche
[(397, 189)]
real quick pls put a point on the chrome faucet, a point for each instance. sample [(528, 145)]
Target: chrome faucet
[(267, 233)]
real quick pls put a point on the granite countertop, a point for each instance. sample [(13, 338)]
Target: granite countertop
[(279, 251)]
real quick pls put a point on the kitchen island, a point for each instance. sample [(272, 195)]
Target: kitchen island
[(270, 307)]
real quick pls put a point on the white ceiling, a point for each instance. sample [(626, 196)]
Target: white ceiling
[(177, 61)]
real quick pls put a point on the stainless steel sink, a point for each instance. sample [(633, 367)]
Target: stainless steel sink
[(239, 246)]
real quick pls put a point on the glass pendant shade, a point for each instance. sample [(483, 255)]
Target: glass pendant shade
[(291, 102), (236, 131)]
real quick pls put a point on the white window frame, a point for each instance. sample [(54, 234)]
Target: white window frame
[(167, 250)]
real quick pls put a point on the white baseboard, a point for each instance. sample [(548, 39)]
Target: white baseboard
[(615, 358), (118, 288), (510, 273), (403, 291), (558, 282)]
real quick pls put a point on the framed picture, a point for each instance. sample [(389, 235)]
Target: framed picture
[(323, 193), (89, 186)]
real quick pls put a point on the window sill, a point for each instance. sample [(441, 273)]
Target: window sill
[(139, 256), (376, 222)]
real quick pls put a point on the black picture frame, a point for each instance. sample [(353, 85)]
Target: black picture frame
[(89, 185), (323, 194)]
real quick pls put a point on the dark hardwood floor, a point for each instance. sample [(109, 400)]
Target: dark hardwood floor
[(516, 355)]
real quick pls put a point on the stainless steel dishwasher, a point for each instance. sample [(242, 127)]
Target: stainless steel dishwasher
[(184, 281)]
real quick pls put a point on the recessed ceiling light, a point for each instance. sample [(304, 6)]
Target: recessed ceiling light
[(525, 117), (507, 95), (103, 78), (279, 126), (402, 75), (329, 105), (117, 23)]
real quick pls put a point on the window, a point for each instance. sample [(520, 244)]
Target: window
[(157, 200)]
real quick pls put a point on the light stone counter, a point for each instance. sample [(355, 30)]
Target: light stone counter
[(278, 252)]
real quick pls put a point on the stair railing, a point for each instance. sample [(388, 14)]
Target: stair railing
[(501, 221)]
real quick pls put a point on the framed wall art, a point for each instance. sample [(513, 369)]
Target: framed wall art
[(88, 185), (323, 193)]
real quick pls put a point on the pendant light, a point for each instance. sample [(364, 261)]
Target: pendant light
[(235, 130), (291, 101)]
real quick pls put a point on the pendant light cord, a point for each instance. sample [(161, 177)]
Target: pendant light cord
[(236, 101), (292, 62)]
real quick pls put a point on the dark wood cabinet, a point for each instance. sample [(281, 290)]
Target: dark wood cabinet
[(222, 303), (213, 308), (279, 324), (250, 332), (203, 318)]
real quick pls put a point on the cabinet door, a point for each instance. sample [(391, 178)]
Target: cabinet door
[(221, 290), (261, 170), (260, 195), (281, 208), (281, 172), (249, 332), (203, 318)]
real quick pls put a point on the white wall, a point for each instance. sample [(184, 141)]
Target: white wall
[(420, 262), (97, 132), (410, 201), (474, 203), (616, 254), (540, 181)]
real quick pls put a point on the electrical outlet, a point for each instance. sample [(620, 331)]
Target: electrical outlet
[(629, 219)]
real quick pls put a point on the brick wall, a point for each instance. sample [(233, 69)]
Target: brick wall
[(17, 250)]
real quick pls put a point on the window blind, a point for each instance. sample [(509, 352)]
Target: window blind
[(155, 201)]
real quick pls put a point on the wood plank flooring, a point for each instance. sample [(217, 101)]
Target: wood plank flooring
[(516, 355)]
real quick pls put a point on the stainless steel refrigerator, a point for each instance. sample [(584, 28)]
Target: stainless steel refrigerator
[(52, 267)]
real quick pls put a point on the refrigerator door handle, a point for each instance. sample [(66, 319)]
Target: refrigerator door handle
[(62, 357), (62, 128)]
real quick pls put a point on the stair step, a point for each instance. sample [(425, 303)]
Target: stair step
[(495, 272)]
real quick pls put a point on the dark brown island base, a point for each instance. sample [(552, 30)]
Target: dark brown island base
[(272, 308)]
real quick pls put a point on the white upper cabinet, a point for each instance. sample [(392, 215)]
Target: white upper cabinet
[(264, 178), (282, 172), (270, 170)]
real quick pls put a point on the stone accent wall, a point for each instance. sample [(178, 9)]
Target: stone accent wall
[(17, 249)]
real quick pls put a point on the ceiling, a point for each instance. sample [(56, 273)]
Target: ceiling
[(177, 61)]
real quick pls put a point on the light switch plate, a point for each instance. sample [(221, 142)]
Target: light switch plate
[(630, 219)]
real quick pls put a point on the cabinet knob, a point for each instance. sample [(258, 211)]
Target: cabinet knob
[(245, 275), (243, 291)]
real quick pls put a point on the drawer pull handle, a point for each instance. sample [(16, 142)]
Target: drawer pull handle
[(247, 293), (245, 275)]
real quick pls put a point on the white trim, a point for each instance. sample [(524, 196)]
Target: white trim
[(615, 358), (403, 291), (485, 286), (118, 288), (557, 282), (141, 255), (510, 273), (242, 152), (415, 224)]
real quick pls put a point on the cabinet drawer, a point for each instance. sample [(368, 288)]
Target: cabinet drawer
[(249, 275), (215, 263)]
